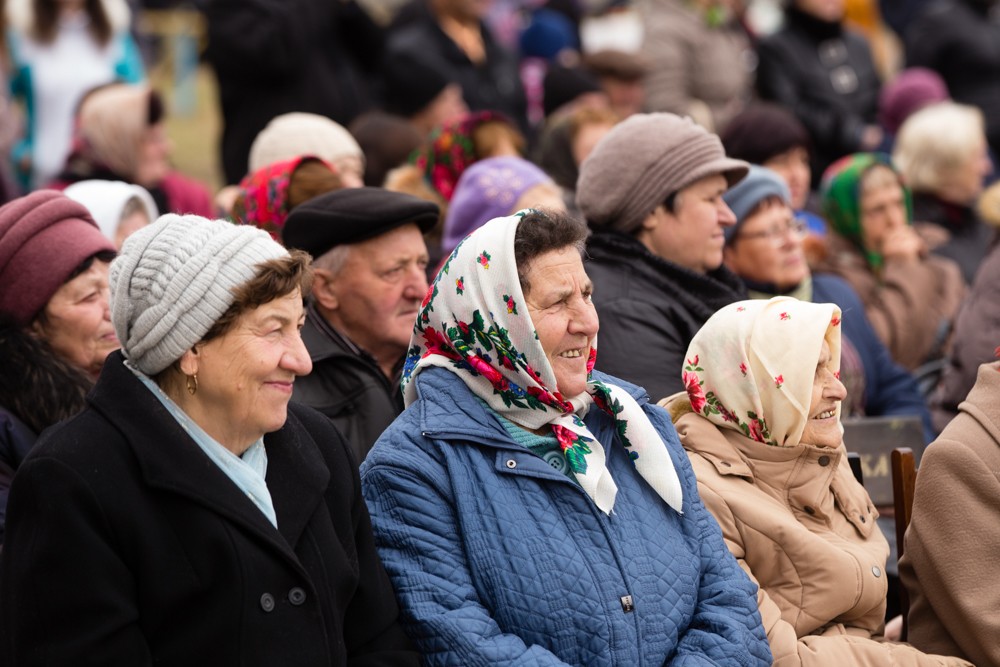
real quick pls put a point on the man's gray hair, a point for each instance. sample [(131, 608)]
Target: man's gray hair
[(333, 260)]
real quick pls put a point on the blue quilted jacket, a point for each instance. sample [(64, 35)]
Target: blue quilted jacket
[(498, 559)]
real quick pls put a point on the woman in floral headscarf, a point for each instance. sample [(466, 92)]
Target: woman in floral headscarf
[(761, 423), (910, 296), (457, 144), (529, 510), (266, 196), (452, 148)]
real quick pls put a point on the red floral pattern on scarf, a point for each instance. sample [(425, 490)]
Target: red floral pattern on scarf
[(263, 198)]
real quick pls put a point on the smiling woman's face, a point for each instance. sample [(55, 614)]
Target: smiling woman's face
[(823, 425), (564, 316), (245, 376)]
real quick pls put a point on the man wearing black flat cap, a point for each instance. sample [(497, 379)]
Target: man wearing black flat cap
[(370, 265)]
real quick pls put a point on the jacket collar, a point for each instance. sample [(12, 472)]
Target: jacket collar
[(981, 403), (324, 342), (169, 459), (804, 476)]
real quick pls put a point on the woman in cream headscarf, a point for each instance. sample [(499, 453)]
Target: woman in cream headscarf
[(120, 135), (761, 423)]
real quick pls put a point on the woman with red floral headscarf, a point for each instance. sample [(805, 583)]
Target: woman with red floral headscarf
[(528, 509), (266, 196)]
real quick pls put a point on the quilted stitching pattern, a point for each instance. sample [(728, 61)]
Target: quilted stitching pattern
[(498, 564)]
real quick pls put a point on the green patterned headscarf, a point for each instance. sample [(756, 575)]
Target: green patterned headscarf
[(475, 323), (841, 197)]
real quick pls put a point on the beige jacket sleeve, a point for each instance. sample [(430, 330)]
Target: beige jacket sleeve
[(912, 307), (950, 561), (838, 645)]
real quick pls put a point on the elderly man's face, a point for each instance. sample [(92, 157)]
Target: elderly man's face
[(374, 298), (692, 235)]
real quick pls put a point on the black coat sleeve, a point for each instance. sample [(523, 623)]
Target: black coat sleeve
[(68, 597)]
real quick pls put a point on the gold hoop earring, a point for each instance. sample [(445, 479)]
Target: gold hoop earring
[(192, 383)]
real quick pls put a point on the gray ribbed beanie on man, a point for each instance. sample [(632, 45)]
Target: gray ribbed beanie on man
[(175, 278), (641, 161)]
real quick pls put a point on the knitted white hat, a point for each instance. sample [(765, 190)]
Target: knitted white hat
[(292, 134), (175, 278)]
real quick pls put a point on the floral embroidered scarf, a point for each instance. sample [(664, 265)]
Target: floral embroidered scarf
[(264, 197), (452, 150), (474, 322), (841, 197), (751, 366)]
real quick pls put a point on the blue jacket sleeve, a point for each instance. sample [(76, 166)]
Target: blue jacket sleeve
[(415, 529)]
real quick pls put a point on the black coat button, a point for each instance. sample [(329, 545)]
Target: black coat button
[(267, 602), (824, 460), (296, 596)]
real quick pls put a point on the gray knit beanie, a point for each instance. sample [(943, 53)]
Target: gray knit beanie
[(175, 278), (643, 160)]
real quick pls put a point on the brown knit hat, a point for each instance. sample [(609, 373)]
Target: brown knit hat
[(641, 161), (44, 237)]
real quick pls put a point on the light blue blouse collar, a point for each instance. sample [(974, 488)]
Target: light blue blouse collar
[(247, 472)]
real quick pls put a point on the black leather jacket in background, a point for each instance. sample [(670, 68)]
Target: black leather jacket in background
[(825, 75), (650, 309)]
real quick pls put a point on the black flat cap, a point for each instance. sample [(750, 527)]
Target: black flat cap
[(351, 215)]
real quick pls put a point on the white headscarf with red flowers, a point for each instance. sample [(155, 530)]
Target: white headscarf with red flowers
[(752, 365), (474, 322)]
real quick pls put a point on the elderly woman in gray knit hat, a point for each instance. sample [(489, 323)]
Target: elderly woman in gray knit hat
[(190, 515), (651, 191)]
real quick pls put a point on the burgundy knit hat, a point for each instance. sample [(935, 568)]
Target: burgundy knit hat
[(44, 237), (909, 92)]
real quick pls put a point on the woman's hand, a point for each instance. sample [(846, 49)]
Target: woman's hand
[(903, 245), (894, 629)]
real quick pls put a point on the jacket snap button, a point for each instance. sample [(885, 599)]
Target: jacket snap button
[(267, 602), (876, 571), (296, 596), (809, 510), (511, 463), (824, 460)]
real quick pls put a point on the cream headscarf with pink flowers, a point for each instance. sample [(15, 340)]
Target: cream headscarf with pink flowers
[(752, 365), (474, 322)]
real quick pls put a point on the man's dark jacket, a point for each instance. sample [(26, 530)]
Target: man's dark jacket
[(825, 75), (347, 386), (650, 309), (277, 56)]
